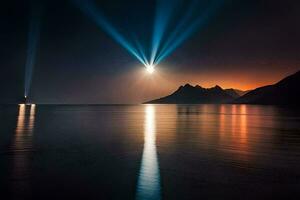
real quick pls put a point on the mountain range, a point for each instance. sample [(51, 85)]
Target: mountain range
[(285, 92), (189, 94)]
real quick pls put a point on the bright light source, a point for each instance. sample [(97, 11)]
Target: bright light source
[(150, 69)]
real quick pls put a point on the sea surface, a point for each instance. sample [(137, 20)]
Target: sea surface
[(149, 152)]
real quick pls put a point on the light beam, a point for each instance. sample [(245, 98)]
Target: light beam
[(165, 39), (90, 9), (163, 13), (179, 36), (33, 40)]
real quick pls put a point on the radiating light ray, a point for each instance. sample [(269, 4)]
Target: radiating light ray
[(188, 23), (179, 28), (90, 9), (141, 51), (33, 40), (197, 23), (163, 14)]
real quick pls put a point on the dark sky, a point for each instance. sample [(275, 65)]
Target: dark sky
[(247, 44)]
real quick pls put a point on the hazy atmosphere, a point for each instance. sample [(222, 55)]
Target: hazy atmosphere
[(246, 44), (149, 99)]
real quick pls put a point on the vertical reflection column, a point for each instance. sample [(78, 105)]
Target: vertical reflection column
[(21, 150), (148, 186)]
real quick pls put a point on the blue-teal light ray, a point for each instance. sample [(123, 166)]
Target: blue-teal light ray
[(199, 22), (33, 40), (90, 9), (163, 13), (178, 29), (164, 39), (141, 51)]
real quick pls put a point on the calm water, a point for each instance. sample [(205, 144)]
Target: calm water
[(149, 152)]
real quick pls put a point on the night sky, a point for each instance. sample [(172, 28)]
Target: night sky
[(246, 44)]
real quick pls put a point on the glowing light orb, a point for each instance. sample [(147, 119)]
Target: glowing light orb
[(150, 68)]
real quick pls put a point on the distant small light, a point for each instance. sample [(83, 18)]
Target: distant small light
[(150, 69)]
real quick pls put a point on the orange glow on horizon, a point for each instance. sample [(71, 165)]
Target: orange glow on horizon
[(138, 86)]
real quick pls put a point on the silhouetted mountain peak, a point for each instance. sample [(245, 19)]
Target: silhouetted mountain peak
[(184, 88), (188, 86), (233, 92), (217, 87), (286, 91), (190, 94)]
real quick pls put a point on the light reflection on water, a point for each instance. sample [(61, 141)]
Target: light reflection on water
[(151, 151), (21, 149), (148, 186)]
